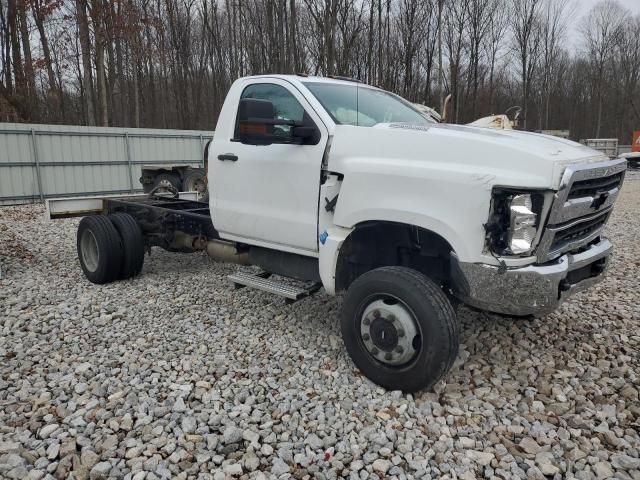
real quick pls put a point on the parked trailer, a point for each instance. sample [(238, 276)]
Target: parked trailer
[(187, 178), (608, 146)]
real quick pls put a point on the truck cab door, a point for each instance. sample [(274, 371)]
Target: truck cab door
[(267, 195)]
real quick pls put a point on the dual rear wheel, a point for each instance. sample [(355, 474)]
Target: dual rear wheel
[(110, 247)]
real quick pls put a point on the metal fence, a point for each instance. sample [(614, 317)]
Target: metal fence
[(44, 161), (624, 149)]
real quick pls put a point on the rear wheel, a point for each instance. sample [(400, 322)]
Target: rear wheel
[(399, 328), (195, 181), (132, 244), (99, 249), (165, 182)]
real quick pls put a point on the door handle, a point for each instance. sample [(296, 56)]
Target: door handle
[(228, 156)]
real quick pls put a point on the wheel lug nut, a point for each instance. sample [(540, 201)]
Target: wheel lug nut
[(366, 321), (399, 349), (366, 336), (391, 318), (376, 313), (388, 356), (401, 333), (374, 350)]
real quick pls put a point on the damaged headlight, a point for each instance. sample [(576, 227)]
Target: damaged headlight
[(522, 229), (512, 228)]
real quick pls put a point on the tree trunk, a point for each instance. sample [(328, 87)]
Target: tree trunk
[(99, 28), (85, 46), (46, 50), (18, 72), (29, 73)]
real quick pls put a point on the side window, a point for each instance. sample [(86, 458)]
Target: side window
[(285, 105)]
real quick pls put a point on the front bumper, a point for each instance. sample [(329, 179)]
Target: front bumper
[(534, 289)]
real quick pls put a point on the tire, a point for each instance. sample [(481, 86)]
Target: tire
[(166, 179), (195, 181), (99, 249), (403, 295), (132, 244)]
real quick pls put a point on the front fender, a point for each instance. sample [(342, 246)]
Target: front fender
[(454, 205)]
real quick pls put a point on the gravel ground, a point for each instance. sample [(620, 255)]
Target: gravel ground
[(174, 374)]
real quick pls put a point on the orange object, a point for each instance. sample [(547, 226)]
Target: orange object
[(635, 146)]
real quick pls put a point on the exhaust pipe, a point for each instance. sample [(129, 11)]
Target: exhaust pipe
[(218, 249), (227, 252), (445, 104)]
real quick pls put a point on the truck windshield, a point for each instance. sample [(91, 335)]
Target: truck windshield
[(364, 106)]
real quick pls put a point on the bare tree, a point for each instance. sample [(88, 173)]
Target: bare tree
[(412, 26), (602, 30), (169, 63), (87, 75), (455, 21), (554, 19), (495, 43), (525, 24), (479, 14), (627, 71)]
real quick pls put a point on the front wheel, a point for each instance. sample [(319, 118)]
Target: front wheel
[(399, 328)]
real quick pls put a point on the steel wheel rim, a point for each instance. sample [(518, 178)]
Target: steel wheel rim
[(164, 185), (196, 185), (389, 331), (89, 249)]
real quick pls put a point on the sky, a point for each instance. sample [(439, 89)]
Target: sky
[(583, 7)]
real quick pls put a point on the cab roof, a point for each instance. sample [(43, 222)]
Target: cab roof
[(302, 77)]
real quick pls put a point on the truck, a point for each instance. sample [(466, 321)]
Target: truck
[(170, 177), (327, 184)]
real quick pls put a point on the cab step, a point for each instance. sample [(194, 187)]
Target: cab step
[(261, 281)]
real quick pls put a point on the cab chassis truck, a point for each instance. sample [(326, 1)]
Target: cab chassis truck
[(347, 187)]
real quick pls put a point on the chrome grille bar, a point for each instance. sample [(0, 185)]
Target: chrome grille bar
[(581, 207), (567, 207), (560, 239)]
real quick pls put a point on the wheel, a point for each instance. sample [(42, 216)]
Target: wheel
[(132, 244), (399, 328), (165, 181), (99, 249), (195, 181)]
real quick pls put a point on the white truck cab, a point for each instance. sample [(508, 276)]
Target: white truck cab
[(352, 188)]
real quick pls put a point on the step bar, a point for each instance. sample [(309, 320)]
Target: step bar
[(261, 281)]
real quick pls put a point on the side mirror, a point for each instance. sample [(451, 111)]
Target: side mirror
[(254, 121), (305, 135)]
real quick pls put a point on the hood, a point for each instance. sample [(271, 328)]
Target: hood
[(547, 147), (507, 157)]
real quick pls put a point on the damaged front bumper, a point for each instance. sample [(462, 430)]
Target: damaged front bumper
[(531, 290)]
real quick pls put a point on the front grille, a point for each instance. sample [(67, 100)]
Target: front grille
[(569, 236), (594, 186), (581, 207)]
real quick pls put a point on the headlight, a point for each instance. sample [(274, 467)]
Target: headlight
[(513, 224), (522, 225)]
